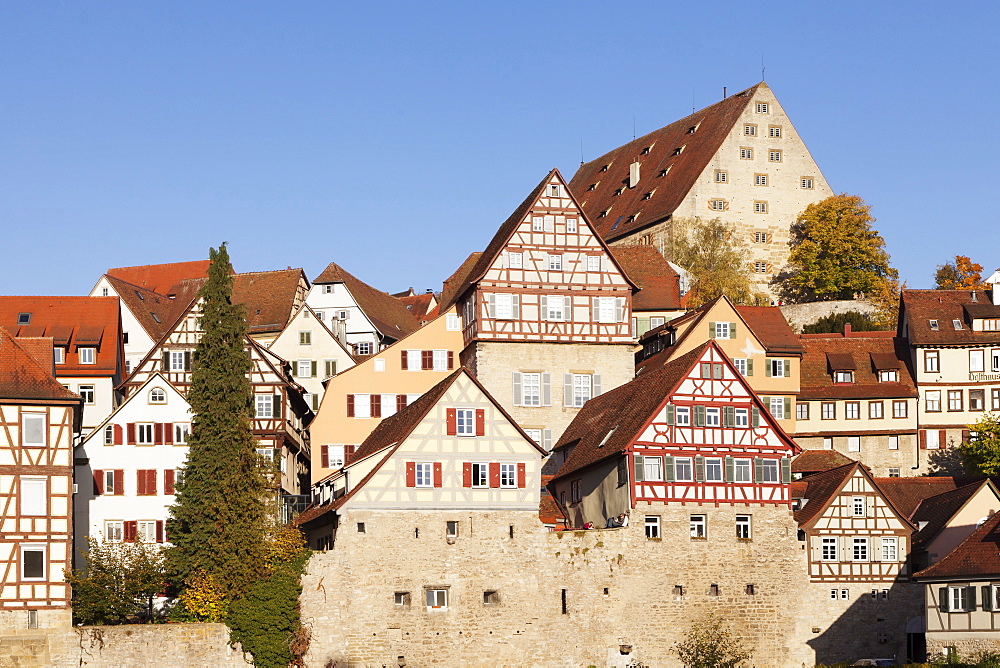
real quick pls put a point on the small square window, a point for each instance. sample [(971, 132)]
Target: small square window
[(652, 525), (571, 225), (746, 153), (750, 130), (23, 318), (401, 599), (774, 155), (491, 597), (760, 179), (762, 107), (721, 176), (555, 263), (305, 338), (774, 132), (361, 527), (451, 529), (893, 472), (87, 393), (760, 207), (761, 237), (760, 267), (86, 355), (717, 204), (437, 599), (806, 183)]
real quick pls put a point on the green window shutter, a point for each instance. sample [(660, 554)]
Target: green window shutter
[(706, 370), (730, 469), (294, 370), (728, 416), (758, 469), (638, 467), (312, 367), (699, 416), (711, 330), (732, 330), (987, 598), (786, 470), (670, 411), (749, 366), (943, 599), (668, 468), (699, 468), (788, 368), (755, 412), (970, 593), (642, 326), (767, 368), (788, 408)]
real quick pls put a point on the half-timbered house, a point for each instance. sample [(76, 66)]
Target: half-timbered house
[(39, 419), (546, 311), (687, 439)]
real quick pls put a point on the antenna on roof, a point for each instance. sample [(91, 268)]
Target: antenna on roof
[(723, 92), (761, 65), (581, 151), (692, 99), (633, 126)]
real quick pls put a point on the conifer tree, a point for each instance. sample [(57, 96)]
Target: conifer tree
[(217, 522)]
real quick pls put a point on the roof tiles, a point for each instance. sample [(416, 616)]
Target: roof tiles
[(660, 285), (22, 376), (387, 313), (824, 355), (160, 278)]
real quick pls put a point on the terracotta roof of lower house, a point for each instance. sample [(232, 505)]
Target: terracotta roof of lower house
[(160, 277), (975, 557), (858, 353), (659, 285), (452, 284), (269, 296), (812, 461), (769, 325), (937, 510), (23, 377), (819, 489), (387, 313), (907, 493), (154, 311), (418, 305), (919, 307)]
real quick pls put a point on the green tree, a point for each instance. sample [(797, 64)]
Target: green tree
[(717, 262), (982, 455), (834, 323), (961, 274), (709, 644), (120, 581), (885, 299), (218, 519), (836, 253)]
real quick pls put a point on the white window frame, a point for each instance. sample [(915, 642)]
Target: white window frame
[(363, 348), (893, 442), (263, 406), (114, 531), (59, 355), (414, 360), (875, 410), (593, 263), (900, 408), (465, 422), (45, 564), (423, 474), (480, 474), (555, 309), (852, 410), (440, 360), (531, 389), (713, 416), (714, 471), (742, 470), (508, 475), (176, 360), (722, 330), (830, 548), (652, 527), (977, 361), (858, 506), (145, 531), (890, 548), (34, 417), (87, 355), (860, 548), (503, 306), (958, 599), (652, 468), (741, 418), (682, 416), (828, 410), (683, 469), (555, 262), (515, 260), (88, 394), (854, 444), (453, 322), (33, 496), (698, 525), (770, 472), (145, 433), (583, 388), (776, 406), (436, 599), (607, 308), (388, 404), (744, 527), (741, 365), (157, 395), (181, 432), (571, 226), (932, 401)]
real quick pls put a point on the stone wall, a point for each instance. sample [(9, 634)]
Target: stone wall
[(800, 315), (600, 597)]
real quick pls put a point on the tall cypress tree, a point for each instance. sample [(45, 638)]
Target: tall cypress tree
[(217, 521)]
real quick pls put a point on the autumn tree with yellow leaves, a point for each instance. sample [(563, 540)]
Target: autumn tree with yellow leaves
[(960, 274)]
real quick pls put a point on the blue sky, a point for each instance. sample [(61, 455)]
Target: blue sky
[(393, 138)]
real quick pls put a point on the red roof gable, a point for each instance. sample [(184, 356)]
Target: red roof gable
[(659, 285), (975, 557), (863, 355), (418, 305), (387, 313), (23, 377), (269, 297), (160, 277)]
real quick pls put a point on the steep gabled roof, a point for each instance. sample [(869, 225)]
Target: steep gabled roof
[(154, 311), (418, 305), (861, 353), (937, 510), (907, 493), (919, 307), (387, 313), (269, 296), (812, 461), (771, 328), (599, 181), (458, 280), (820, 488), (160, 277), (659, 285), (23, 377), (976, 556)]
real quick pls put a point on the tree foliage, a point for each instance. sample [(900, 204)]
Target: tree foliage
[(834, 323), (717, 262), (120, 581), (203, 600), (885, 299), (982, 455), (960, 274), (709, 644), (836, 253), (217, 522)]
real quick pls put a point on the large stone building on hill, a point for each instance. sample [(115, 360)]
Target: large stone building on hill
[(739, 160)]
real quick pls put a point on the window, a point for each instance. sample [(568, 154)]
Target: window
[(770, 471), (760, 179), (750, 130), (480, 473), (741, 418), (957, 324), (854, 444), (576, 491), (742, 527), (503, 306), (991, 325), (780, 369), (874, 410), (109, 435), (774, 132), (652, 527), (699, 526), (995, 356), (181, 432), (508, 475), (774, 155), (828, 442), (777, 407), (721, 176), (977, 400), (571, 225), (33, 430), (682, 469), (401, 599), (893, 472), (607, 309), (746, 153), (531, 389), (682, 416), (86, 355), (890, 551), (491, 597), (760, 207), (888, 376), (144, 433), (582, 383), (555, 191), (931, 361), (555, 262), (843, 376), (742, 470), (845, 594), (440, 360), (995, 399), (760, 267), (977, 360), (899, 409), (465, 422), (32, 562), (305, 338), (760, 237), (113, 531), (451, 529), (87, 393), (859, 548), (829, 548), (762, 107), (538, 224), (146, 531), (652, 468), (721, 330), (858, 506), (424, 474), (741, 365), (25, 318), (802, 410), (954, 400), (852, 410), (59, 355), (717, 204), (264, 405), (828, 410), (833, 594), (958, 599), (893, 442), (437, 599), (931, 438), (363, 348), (33, 496), (806, 183), (713, 470)]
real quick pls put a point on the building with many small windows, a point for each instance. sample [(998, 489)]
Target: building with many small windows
[(739, 160)]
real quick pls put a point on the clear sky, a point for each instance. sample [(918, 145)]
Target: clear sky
[(394, 138)]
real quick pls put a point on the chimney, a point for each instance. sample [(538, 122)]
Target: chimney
[(633, 174), (847, 330)]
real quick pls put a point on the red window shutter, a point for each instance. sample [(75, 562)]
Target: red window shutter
[(159, 531), (943, 439), (119, 482), (451, 360), (168, 433), (324, 456), (923, 439), (411, 474), (403, 360), (158, 433), (426, 360), (168, 481), (452, 422), (480, 422), (98, 482), (376, 405), (494, 474), (400, 402), (467, 474), (151, 482), (140, 483), (965, 436), (131, 528), (349, 452), (118, 434), (522, 475), (437, 474), (350, 405), (130, 428)]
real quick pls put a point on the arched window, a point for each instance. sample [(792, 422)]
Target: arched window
[(157, 396)]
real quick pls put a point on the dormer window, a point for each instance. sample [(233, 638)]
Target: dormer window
[(646, 150), (663, 172), (592, 186), (888, 376), (619, 191), (23, 318), (605, 167), (692, 129), (86, 355), (59, 355), (843, 376), (139, 295), (678, 150), (648, 195), (957, 324), (934, 325)]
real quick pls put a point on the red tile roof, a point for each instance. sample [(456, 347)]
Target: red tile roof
[(598, 188), (387, 313), (458, 280), (160, 277), (155, 312), (823, 354), (919, 307), (23, 377), (71, 322), (907, 493), (269, 297), (813, 461), (819, 489), (937, 510), (659, 285), (772, 329), (975, 557), (419, 305)]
